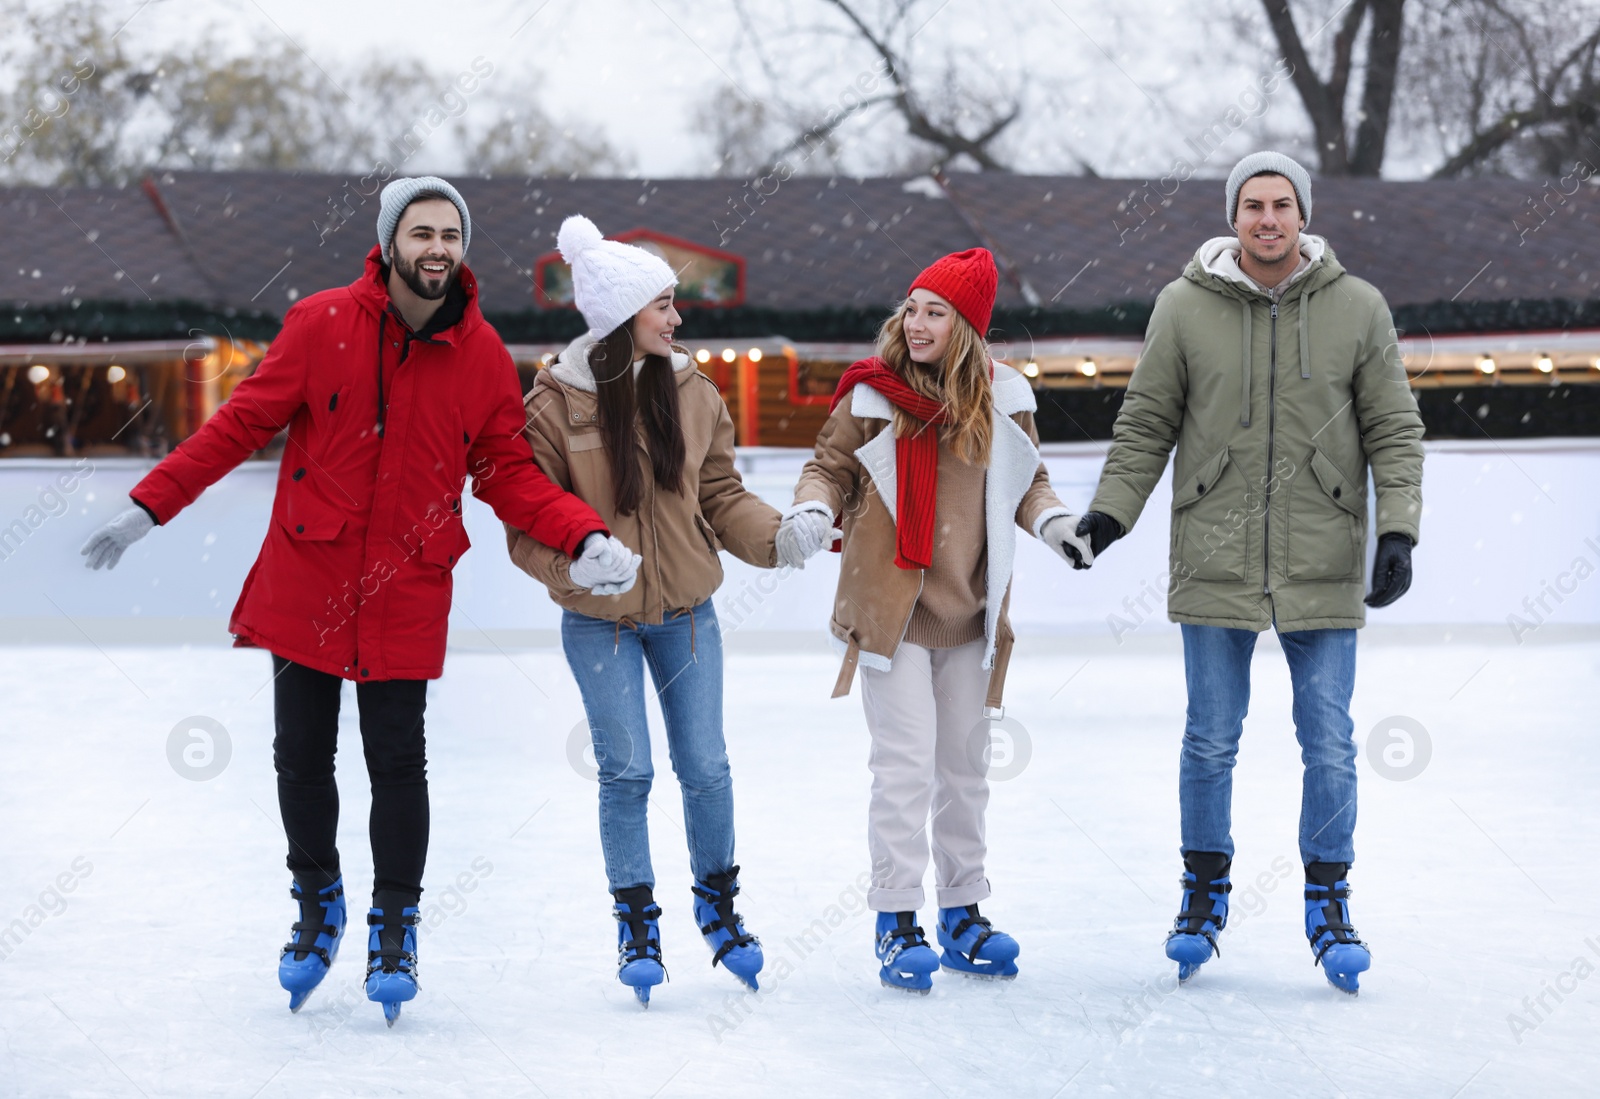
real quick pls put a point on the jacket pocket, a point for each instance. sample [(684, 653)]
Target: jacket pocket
[(1326, 517), (713, 543), (307, 517), (444, 547), (1211, 524)]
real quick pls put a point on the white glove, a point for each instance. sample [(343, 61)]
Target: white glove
[(104, 547), (1061, 535), (807, 529), (604, 565)]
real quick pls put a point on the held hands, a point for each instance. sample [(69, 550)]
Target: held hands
[(104, 547), (806, 530), (604, 565), (1391, 569), (1064, 534), (1100, 529)]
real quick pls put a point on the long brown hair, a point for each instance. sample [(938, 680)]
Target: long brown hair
[(960, 382), (621, 400)]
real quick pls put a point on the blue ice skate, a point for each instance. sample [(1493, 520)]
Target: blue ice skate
[(973, 948), (392, 952), (1341, 954), (738, 951), (1193, 939), (639, 964), (305, 960), (902, 948)]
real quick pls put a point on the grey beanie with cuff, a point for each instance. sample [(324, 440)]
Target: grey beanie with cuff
[(400, 193), (1258, 163)]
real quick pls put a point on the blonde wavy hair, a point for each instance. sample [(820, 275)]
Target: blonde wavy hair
[(960, 382)]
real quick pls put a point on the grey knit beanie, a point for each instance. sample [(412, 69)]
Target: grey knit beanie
[(1257, 163), (400, 193)]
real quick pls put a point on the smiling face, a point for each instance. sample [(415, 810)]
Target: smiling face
[(927, 320), (654, 325), (1268, 222), (427, 247)]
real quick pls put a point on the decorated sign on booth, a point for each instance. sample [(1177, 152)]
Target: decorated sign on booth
[(707, 277)]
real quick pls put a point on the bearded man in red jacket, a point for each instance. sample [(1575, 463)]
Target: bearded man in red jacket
[(394, 391)]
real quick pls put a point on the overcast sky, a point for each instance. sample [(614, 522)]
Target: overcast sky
[(1127, 83)]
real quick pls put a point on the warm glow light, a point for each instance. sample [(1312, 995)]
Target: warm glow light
[(546, 359), (754, 355), (702, 356), (728, 354), (1087, 368), (1486, 364), (116, 374), (1544, 363), (38, 374), (1030, 369)]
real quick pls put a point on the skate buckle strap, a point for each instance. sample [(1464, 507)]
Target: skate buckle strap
[(984, 935), (299, 927), (389, 959), (640, 947), (727, 919), (1338, 931), (1196, 915), (898, 939)]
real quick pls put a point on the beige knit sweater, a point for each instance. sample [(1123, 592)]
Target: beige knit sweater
[(949, 611)]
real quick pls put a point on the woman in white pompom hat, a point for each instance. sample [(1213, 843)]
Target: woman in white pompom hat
[(625, 421)]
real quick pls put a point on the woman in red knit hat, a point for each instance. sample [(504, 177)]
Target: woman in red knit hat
[(928, 458)]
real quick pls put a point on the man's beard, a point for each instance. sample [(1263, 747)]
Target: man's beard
[(412, 276)]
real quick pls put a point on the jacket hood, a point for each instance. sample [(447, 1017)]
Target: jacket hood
[(1216, 267), (371, 292), (572, 368)]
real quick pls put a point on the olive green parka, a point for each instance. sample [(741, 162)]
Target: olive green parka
[(1276, 409)]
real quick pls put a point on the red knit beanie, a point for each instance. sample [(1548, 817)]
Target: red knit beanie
[(967, 280)]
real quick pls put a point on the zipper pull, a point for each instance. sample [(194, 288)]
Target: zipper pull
[(1274, 310)]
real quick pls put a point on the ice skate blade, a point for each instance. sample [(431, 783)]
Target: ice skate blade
[(391, 1012), (642, 992), (970, 975), (887, 983)]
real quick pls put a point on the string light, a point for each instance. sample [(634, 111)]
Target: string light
[(1087, 368)]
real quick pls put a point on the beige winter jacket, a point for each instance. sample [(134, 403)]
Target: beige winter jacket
[(677, 534), (853, 475)]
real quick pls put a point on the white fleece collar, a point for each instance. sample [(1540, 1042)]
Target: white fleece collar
[(572, 369), (1220, 257)]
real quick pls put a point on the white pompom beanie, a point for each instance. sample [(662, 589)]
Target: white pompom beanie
[(611, 281)]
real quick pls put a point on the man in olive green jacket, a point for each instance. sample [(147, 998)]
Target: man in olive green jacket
[(1277, 378)]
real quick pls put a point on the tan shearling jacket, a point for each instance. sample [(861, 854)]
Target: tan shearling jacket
[(678, 535), (853, 474)]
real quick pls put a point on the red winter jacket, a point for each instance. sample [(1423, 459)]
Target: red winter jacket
[(354, 576)]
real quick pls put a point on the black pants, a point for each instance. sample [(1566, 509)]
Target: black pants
[(306, 712)]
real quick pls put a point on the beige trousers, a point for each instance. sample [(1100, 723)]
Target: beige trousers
[(927, 759)]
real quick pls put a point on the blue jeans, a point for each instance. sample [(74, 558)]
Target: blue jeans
[(1322, 669), (684, 654)]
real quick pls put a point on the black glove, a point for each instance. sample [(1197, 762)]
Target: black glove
[(1391, 569), (1100, 529)]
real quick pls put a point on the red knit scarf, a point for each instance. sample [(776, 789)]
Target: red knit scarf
[(916, 459)]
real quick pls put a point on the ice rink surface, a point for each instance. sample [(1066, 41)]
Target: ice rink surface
[(144, 903)]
